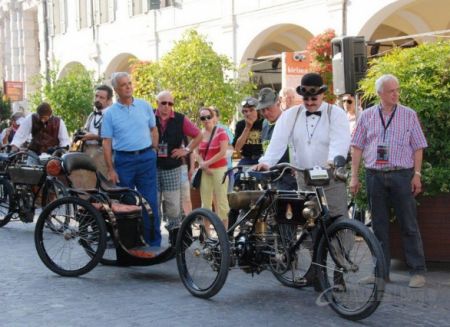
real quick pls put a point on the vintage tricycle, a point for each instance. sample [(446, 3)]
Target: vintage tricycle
[(94, 218), (289, 233)]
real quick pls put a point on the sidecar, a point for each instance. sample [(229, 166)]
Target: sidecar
[(97, 222)]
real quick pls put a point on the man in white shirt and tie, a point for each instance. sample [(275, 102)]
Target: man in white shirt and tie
[(317, 132)]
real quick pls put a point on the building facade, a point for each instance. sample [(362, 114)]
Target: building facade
[(103, 35)]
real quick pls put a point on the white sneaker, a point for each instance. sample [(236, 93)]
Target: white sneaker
[(417, 281)]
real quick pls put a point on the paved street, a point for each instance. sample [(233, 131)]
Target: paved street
[(32, 295)]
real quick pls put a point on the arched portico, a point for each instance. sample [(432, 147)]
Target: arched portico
[(262, 54), (68, 67), (120, 63), (406, 17)]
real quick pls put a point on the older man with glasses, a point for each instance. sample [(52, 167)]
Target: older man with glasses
[(173, 129), (247, 138), (318, 132)]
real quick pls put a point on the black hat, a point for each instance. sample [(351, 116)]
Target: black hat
[(267, 97), (311, 84)]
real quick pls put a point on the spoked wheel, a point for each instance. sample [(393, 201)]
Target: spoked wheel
[(298, 258), (76, 243), (203, 253), (53, 189), (6, 196), (351, 270)]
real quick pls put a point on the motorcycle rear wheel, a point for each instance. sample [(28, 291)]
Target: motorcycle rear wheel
[(299, 272), (203, 253)]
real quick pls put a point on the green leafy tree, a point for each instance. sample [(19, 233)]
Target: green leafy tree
[(5, 110), (196, 75), (424, 76), (70, 96)]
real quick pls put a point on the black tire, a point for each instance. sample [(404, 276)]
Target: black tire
[(78, 241), (6, 197), (299, 272), (352, 282), (203, 261)]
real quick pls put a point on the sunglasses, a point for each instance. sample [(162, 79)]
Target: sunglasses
[(311, 89), (309, 98), (165, 103), (348, 101), (249, 103), (205, 118)]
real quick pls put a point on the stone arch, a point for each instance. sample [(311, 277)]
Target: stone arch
[(69, 66), (120, 63), (269, 43), (405, 17)]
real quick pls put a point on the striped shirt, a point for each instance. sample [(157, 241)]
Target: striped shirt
[(403, 137)]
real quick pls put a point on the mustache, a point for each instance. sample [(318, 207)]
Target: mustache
[(98, 105)]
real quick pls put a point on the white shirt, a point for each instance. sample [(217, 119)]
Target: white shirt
[(90, 124), (24, 132), (315, 140)]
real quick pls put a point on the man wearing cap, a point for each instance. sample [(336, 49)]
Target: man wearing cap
[(247, 139), (269, 105), (318, 132), (8, 133)]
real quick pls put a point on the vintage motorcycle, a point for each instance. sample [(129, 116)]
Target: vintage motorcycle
[(25, 185), (290, 233)]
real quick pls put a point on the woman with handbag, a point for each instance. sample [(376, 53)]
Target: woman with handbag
[(213, 164)]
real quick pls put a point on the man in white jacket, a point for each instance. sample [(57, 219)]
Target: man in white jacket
[(317, 132)]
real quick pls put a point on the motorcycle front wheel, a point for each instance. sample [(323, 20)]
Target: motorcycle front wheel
[(203, 253), (351, 270)]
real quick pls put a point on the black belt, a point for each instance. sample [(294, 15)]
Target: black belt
[(388, 170), (134, 152)]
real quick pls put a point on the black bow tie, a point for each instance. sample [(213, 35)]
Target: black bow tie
[(317, 113), (97, 113)]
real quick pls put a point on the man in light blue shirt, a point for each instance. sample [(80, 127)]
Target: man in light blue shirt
[(129, 129)]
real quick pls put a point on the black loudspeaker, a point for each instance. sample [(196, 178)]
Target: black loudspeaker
[(349, 63)]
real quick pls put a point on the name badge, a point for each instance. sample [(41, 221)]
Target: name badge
[(163, 150), (382, 154)]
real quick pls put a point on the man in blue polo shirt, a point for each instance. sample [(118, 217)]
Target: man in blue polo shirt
[(129, 129)]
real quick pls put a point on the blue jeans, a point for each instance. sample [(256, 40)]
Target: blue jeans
[(139, 171), (393, 188)]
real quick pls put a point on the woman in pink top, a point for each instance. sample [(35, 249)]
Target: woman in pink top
[(213, 162)]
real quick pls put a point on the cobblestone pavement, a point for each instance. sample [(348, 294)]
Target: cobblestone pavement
[(31, 295)]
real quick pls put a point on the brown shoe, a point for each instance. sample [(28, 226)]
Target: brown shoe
[(417, 281)]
